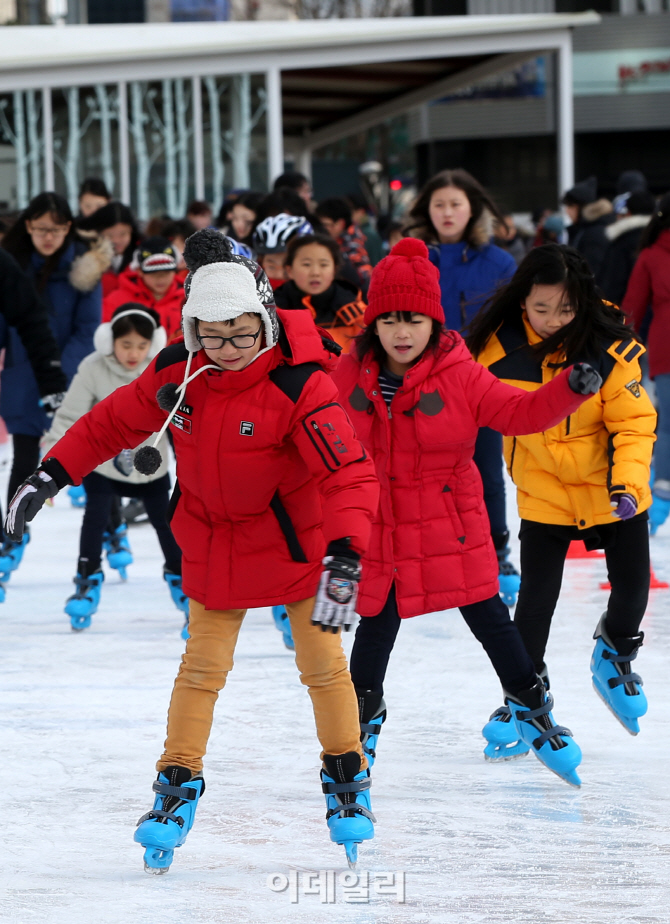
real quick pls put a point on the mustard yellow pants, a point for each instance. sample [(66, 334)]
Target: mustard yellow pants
[(204, 670)]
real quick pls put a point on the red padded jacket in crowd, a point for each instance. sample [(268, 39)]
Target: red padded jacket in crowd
[(431, 535), (649, 288), (131, 288), (269, 468)]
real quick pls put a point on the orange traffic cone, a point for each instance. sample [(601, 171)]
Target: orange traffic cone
[(578, 550)]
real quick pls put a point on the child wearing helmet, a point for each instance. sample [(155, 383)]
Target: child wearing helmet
[(271, 239)]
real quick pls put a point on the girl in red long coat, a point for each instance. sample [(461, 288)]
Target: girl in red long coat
[(417, 399)]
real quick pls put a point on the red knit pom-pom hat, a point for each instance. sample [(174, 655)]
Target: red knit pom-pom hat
[(406, 280)]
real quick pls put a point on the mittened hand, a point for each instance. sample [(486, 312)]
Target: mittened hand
[(27, 502), (584, 379), (625, 506), (336, 596), (51, 403)]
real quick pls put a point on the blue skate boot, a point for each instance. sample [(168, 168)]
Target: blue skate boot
[(77, 495), (84, 602), (349, 813), (372, 715), (166, 826), (178, 596), (509, 578), (614, 682), (501, 734), (11, 554), (117, 547), (552, 744), (660, 505), (283, 623)]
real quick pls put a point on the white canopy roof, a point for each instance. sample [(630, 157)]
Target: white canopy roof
[(80, 54)]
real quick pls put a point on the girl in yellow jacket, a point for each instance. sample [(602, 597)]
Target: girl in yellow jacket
[(587, 478)]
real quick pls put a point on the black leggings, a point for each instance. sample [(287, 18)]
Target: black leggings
[(100, 495), (543, 551), (489, 621), (488, 458)]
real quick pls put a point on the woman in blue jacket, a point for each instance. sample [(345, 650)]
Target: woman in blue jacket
[(454, 215), (66, 275)]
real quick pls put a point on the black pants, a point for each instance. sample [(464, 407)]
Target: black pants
[(100, 495), (543, 551), (488, 458), (26, 459), (489, 621)]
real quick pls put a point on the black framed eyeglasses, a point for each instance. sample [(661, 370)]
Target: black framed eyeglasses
[(239, 341)]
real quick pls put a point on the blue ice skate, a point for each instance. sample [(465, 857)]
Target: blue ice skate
[(11, 554), (552, 744), (179, 598), (283, 623), (614, 682), (501, 734), (509, 578), (117, 547), (166, 826), (372, 715), (77, 495), (503, 741), (84, 602), (184, 632), (349, 813), (2, 593)]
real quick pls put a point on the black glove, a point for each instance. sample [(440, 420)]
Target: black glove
[(584, 379), (336, 596), (27, 502), (51, 403)]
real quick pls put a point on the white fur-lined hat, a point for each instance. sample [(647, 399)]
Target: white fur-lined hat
[(222, 292)]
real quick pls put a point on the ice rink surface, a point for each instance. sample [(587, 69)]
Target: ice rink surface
[(83, 719)]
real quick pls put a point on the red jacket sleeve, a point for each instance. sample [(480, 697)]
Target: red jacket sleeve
[(340, 466), (638, 295), (121, 421), (515, 412)]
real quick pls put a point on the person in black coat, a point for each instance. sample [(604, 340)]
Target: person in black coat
[(22, 309), (590, 217), (624, 240)]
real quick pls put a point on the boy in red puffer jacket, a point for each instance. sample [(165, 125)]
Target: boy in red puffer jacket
[(154, 284), (273, 503), (417, 399)]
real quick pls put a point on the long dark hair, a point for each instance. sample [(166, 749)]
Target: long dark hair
[(660, 221), (18, 242), (114, 213), (420, 224), (369, 341), (595, 322)]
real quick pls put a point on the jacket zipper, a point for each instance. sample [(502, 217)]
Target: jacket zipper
[(511, 461), (567, 425)]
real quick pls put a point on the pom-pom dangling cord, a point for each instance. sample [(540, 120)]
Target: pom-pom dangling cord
[(180, 393)]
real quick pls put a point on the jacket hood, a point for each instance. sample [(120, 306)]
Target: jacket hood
[(598, 209), (630, 223), (300, 341)]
